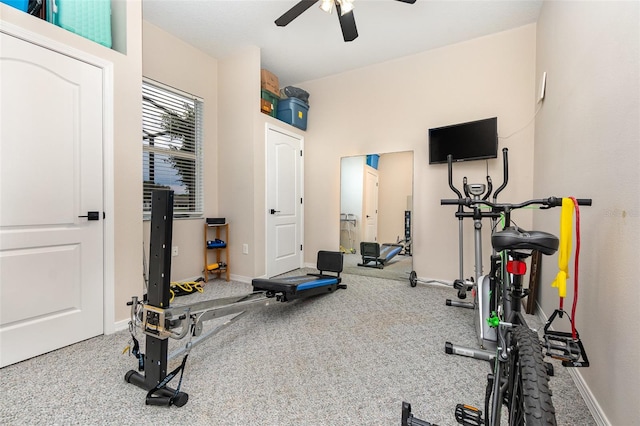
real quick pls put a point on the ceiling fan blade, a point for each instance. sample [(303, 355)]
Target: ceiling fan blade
[(408, 1), (294, 12), (347, 24)]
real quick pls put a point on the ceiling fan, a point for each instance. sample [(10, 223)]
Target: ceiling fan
[(344, 9)]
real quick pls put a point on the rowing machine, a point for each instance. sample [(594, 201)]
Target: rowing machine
[(158, 321)]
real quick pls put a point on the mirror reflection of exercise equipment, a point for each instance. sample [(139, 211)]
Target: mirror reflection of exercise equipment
[(376, 202)]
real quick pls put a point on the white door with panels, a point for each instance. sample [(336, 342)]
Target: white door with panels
[(284, 201), (51, 200), (370, 204)]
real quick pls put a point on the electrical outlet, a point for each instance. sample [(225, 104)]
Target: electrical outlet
[(245, 249), (174, 251)]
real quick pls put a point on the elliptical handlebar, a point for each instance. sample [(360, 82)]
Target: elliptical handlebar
[(489, 188), (505, 207), (505, 179), (450, 169), (465, 187), (505, 173)]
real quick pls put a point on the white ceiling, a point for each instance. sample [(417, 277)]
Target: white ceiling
[(311, 46)]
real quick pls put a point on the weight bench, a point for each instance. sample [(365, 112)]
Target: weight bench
[(290, 288), (378, 254)]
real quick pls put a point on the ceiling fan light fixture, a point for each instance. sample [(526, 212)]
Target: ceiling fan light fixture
[(326, 5)]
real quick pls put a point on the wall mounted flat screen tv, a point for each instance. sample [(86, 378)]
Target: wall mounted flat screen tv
[(475, 140)]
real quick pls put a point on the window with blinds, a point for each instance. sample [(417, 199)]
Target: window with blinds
[(172, 148)]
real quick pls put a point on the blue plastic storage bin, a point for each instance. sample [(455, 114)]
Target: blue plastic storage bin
[(22, 5), (89, 19), (372, 160), (294, 112)]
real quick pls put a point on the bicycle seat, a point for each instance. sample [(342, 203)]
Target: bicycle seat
[(513, 238)]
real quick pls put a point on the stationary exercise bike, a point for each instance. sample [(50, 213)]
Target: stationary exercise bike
[(519, 378)]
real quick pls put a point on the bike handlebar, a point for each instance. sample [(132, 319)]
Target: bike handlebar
[(546, 202)]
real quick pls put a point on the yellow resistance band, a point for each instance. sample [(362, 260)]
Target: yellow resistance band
[(187, 287), (564, 249)]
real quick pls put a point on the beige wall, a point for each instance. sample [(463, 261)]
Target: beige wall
[(395, 186), (241, 133), (170, 61), (587, 137), (389, 107), (128, 164), (234, 148), (241, 156)]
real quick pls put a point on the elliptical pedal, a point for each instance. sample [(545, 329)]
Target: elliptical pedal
[(468, 416)]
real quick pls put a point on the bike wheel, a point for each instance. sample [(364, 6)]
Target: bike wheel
[(530, 399)]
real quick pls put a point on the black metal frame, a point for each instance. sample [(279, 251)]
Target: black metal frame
[(159, 321), (158, 295)]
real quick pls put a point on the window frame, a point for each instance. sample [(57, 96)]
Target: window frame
[(176, 105)]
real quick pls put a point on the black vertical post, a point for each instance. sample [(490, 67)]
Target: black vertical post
[(407, 232), (158, 295)]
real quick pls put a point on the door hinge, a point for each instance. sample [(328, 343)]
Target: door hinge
[(300, 153), (300, 247), (300, 200)]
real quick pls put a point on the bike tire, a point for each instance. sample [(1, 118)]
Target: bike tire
[(530, 402)]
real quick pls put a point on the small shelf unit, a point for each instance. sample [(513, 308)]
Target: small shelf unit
[(216, 254)]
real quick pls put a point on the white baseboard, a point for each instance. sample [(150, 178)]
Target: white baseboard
[(242, 278), (589, 399), (435, 281), (120, 325)]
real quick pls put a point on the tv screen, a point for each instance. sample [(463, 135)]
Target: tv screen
[(475, 140)]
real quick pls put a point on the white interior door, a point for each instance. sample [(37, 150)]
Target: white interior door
[(284, 201), (370, 204), (51, 258)]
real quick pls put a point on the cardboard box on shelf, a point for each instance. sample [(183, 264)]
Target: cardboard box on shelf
[(269, 82)]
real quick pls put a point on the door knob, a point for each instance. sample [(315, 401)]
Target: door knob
[(273, 211), (92, 216)]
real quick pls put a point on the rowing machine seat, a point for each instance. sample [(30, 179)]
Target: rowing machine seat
[(290, 288), (378, 254)]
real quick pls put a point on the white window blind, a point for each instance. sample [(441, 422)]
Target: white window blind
[(172, 148)]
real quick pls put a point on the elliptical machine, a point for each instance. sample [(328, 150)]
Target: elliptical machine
[(481, 287)]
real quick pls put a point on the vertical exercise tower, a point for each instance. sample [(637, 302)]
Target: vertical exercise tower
[(158, 295)]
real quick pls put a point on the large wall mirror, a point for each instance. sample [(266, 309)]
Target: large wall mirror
[(376, 214)]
